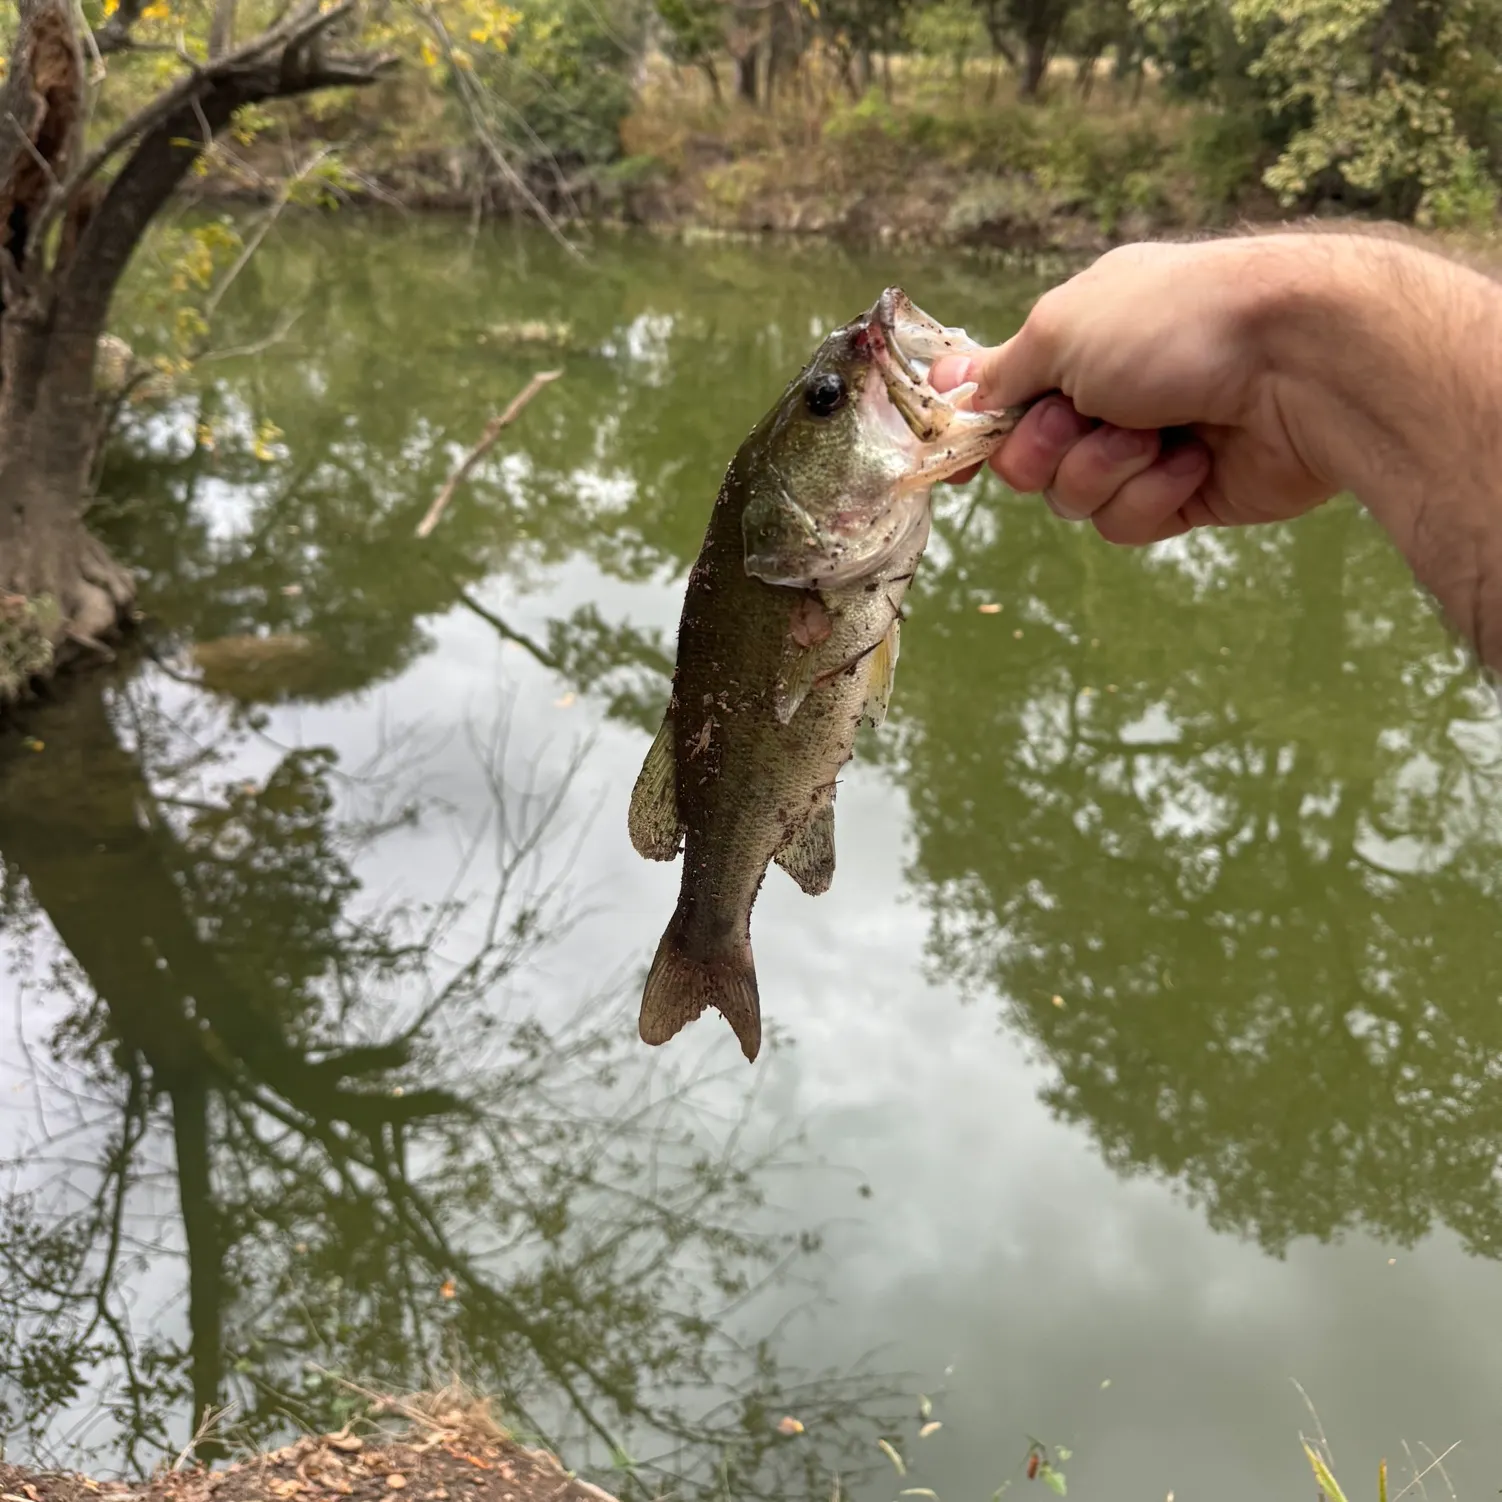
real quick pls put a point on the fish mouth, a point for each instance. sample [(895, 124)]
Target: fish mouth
[(924, 435), (904, 343)]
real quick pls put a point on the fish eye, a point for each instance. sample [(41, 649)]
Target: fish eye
[(825, 393)]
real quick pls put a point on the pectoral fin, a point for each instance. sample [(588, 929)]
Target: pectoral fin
[(656, 830), (809, 856), (805, 650), (883, 675), (795, 677)]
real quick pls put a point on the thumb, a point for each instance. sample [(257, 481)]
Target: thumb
[(1007, 375), (1011, 374)]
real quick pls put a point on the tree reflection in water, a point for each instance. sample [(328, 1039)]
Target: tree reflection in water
[(330, 1129), (1238, 807)]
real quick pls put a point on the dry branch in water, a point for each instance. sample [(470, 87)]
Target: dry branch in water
[(487, 442)]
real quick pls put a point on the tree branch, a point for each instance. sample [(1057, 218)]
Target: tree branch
[(487, 442), (173, 131), (222, 29), (279, 63), (114, 35)]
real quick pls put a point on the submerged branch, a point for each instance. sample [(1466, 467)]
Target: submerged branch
[(487, 441)]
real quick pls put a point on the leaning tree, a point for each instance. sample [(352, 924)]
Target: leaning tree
[(74, 205)]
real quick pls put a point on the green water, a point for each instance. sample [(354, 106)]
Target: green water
[(1143, 1058)]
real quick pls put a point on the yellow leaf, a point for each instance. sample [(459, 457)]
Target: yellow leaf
[(429, 53)]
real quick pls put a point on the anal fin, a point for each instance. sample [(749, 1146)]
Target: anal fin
[(809, 856), (883, 675), (655, 828)]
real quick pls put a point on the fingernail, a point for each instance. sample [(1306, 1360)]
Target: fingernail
[(1185, 460), (1060, 425), (1061, 511), (953, 370), (1125, 444)]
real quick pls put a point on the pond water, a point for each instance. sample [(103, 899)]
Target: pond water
[(1141, 1063)]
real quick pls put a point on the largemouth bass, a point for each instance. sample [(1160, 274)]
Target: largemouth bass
[(788, 641)]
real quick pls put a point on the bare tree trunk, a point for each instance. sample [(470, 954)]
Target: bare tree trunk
[(1085, 72), (745, 74), (1034, 67)]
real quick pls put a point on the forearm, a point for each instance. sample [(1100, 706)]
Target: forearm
[(1386, 364)]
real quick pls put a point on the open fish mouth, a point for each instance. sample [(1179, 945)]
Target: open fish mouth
[(905, 343)]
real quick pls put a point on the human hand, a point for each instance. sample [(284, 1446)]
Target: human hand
[(1169, 409)]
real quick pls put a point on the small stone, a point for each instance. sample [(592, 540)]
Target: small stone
[(396, 1481)]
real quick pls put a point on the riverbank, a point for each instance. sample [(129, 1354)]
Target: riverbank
[(447, 1449), (931, 159)]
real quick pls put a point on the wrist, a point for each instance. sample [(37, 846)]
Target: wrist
[(1366, 342), (1384, 363)]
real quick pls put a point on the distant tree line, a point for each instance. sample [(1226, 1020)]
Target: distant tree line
[(1388, 106)]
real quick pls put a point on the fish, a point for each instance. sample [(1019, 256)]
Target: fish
[(788, 642)]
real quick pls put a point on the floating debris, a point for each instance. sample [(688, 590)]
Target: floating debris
[(789, 1425), (528, 331), (932, 1427), (892, 1455)]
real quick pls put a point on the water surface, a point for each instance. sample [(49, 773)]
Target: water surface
[(1142, 1059)]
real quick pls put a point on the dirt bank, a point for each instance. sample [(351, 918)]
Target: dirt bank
[(431, 1453)]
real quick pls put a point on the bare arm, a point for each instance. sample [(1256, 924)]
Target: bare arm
[(1244, 380)]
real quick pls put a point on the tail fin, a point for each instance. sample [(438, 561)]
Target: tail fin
[(680, 985)]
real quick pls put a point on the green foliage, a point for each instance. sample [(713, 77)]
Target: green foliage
[(870, 120), (950, 30), (1358, 97), (1110, 171), (26, 628), (1223, 151), (695, 29), (566, 76)]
